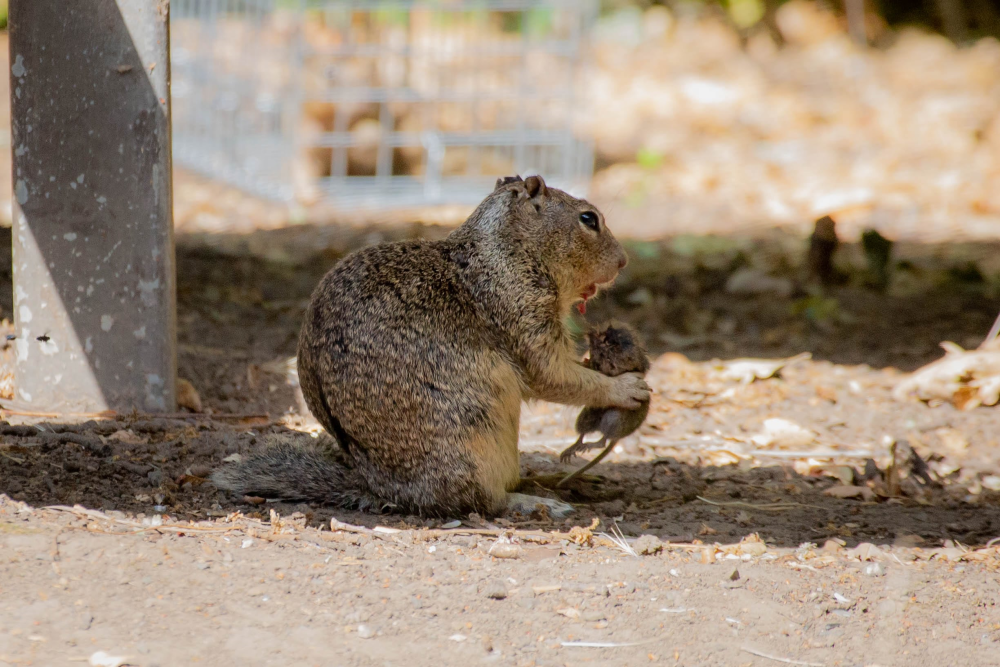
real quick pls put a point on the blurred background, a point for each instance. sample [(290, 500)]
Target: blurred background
[(714, 135)]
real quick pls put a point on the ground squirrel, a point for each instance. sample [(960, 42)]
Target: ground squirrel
[(416, 356), (614, 350)]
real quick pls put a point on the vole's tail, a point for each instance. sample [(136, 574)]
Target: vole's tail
[(290, 472)]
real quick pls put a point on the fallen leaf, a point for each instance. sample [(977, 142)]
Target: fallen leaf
[(187, 396), (748, 370), (102, 659), (865, 551), (783, 433)]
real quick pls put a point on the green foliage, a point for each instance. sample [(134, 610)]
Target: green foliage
[(817, 308), (690, 245), (642, 249), (536, 21), (745, 13), (396, 16), (3, 14), (647, 158)]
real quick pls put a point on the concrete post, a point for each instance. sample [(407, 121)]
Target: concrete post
[(94, 284)]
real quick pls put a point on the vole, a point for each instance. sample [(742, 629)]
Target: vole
[(614, 350)]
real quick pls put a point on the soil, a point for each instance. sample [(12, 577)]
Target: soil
[(115, 549), (152, 552)]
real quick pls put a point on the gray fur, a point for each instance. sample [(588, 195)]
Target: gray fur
[(614, 350)]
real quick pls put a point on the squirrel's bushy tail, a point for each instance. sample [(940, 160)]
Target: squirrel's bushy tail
[(290, 472)]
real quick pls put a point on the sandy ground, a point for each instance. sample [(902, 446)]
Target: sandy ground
[(156, 566), (112, 540)]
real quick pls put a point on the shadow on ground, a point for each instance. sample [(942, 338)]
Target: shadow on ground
[(240, 301), (148, 466)]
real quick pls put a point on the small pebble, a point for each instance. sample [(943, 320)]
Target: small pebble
[(874, 570), (647, 545), (505, 550), (495, 590), (366, 631)]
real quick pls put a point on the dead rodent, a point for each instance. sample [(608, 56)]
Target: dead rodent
[(416, 357), (614, 350)]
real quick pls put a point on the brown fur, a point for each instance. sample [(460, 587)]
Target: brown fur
[(416, 356)]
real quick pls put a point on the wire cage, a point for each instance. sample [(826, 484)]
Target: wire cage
[(379, 104)]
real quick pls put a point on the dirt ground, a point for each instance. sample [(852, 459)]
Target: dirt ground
[(735, 544), (153, 553)]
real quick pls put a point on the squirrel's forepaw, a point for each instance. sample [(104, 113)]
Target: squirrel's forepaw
[(630, 391), (525, 504)]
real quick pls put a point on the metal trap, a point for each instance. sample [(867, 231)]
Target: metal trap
[(377, 105)]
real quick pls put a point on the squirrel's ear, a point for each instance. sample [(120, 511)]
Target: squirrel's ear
[(534, 186), (505, 180)]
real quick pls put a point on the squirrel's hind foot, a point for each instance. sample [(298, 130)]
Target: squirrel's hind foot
[(525, 504)]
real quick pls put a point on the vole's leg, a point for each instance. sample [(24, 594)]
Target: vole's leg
[(593, 462), (579, 446)]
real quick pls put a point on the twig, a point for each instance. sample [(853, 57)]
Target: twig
[(12, 458), (787, 661), (139, 527), (608, 644), (434, 533), (763, 506), (795, 565), (819, 454), (618, 538), (994, 332), (995, 540)]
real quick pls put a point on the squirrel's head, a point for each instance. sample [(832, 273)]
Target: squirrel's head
[(566, 234), (617, 349)]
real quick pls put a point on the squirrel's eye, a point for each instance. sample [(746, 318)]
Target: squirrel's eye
[(589, 218)]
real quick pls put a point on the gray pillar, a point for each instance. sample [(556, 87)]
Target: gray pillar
[(94, 287)]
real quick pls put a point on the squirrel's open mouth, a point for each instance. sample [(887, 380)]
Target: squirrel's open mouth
[(590, 291)]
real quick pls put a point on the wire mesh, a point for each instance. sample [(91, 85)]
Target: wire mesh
[(379, 104)]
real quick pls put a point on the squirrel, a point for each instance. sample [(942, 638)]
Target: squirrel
[(614, 350), (415, 356)]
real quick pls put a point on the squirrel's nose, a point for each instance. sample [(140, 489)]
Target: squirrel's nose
[(622, 261)]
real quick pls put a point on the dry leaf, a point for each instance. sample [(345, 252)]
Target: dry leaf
[(584, 536), (102, 659), (506, 550), (187, 397), (783, 433), (865, 551), (844, 491), (748, 370), (966, 378), (127, 438)]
